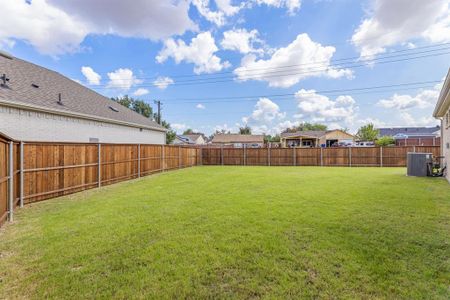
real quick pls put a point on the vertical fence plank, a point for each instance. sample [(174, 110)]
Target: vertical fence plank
[(294, 159), (350, 156), (99, 165), (381, 156), (321, 156), (11, 182), (139, 160), (21, 175)]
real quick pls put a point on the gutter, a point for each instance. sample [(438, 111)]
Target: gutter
[(76, 115)]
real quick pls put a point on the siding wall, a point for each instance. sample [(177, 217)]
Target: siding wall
[(445, 137), (35, 126)]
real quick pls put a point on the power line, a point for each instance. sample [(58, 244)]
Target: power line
[(254, 77), (327, 62), (292, 94), (291, 98)]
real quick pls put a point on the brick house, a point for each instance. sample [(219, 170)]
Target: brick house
[(37, 104)]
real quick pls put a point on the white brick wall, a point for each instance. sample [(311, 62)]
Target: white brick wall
[(37, 126)]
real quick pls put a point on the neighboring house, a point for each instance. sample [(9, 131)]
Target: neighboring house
[(190, 139), (413, 136), (442, 112), (37, 104), (239, 140), (316, 138)]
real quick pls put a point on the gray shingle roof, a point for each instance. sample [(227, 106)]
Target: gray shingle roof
[(76, 98), (309, 133), (238, 138), (409, 131), (192, 137)]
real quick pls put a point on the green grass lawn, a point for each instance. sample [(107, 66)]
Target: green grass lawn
[(236, 232)]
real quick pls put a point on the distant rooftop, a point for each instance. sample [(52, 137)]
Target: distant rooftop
[(410, 131), (237, 138)]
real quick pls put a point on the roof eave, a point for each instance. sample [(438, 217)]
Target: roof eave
[(444, 99), (22, 105)]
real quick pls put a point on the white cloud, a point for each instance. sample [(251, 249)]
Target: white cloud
[(163, 82), (264, 117), (59, 26), (49, 29), (122, 79), (301, 59), (141, 92), (200, 52), (92, 77), (318, 108), (424, 99), (394, 22), (224, 127), (178, 127), (410, 120), (224, 9), (291, 5), (241, 40), (200, 106)]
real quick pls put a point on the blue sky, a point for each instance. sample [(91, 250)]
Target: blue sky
[(248, 53)]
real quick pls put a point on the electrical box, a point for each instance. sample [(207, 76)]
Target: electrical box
[(417, 163)]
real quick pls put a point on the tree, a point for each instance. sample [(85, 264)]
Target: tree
[(385, 141), (245, 130), (170, 134), (143, 108), (188, 131), (139, 106), (368, 133), (272, 139), (307, 126)]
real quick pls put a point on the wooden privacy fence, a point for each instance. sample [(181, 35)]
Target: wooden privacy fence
[(352, 156), (46, 170), (34, 171)]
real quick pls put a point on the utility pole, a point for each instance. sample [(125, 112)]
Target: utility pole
[(158, 102)]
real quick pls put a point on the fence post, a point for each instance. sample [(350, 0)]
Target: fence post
[(321, 156), (245, 155), (99, 161), (268, 155), (162, 158), (350, 156), (221, 155), (11, 183), (179, 157), (381, 156), (21, 175), (294, 160), (139, 160), (201, 156), (414, 148)]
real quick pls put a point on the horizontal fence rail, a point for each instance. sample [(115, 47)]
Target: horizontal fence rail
[(346, 157), (35, 171)]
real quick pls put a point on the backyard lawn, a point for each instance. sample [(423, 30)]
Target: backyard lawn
[(236, 232)]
